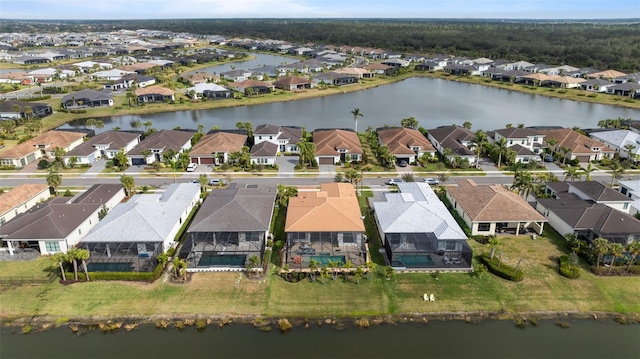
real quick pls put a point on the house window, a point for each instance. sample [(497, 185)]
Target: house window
[(259, 137), (2, 221), (484, 227), (525, 159), (348, 238), (522, 142), (354, 157), (535, 139), (511, 142), (625, 206), (80, 231), (623, 190), (52, 246), (271, 137)]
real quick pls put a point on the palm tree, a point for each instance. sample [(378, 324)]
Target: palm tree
[(147, 125), (552, 142), (616, 250), (313, 269), (99, 124), (348, 267), (617, 171), (501, 145), (523, 181), (467, 125), (631, 154), (90, 122), (634, 250), (599, 248), (324, 274), (72, 257), (572, 173), (307, 152), (371, 266), (389, 272), (128, 182), (564, 151), (83, 255), (284, 193), (358, 274), (478, 142), (54, 180), (332, 267), (356, 113), (587, 171), (60, 258), (202, 180)]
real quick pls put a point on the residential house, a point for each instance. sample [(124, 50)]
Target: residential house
[(154, 94), (358, 72), (587, 219), (336, 79), (209, 91), (236, 75), (20, 199), (396, 63), (596, 85), (418, 232), (525, 142), (493, 209), (264, 153), (215, 147), (337, 145), (87, 98), (592, 191), (293, 68), (625, 142), (325, 226), (199, 78), (453, 142), (627, 89), (266, 70), (155, 146), (18, 77), (110, 75), (578, 146), (132, 234), (292, 83), (252, 87), (42, 146), (286, 137), (607, 74), (8, 109), (104, 145), (631, 189), (406, 144), (381, 69), (59, 224), (231, 226)]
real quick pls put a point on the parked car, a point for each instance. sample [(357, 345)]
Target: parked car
[(192, 167), (393, 181), (194, 181), (548, 158), (216, 182), (402, 163), (432, 181)]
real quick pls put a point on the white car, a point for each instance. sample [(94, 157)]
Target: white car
[(393, 181), (192, 167), (432, 181)]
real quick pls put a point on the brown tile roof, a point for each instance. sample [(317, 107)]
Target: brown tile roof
[(138, 66), (50, 139), (333, 209), (19, 195), (607, 74), (250, 83), (379, 67), (492, 203), (329, 141), (291, 80), (576, 142), (400, 140), (154, 90), (219, 142)]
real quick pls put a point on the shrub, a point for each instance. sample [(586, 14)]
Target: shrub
[(503, 271), (7, 167), (43, 164), (24, 139), (109, 164), (568, 269)]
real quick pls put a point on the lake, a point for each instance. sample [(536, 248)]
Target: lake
[(433, 102), (436, 339)]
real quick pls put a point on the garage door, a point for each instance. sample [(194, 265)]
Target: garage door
[(325, 160), (31, 158), (205, 160), (583, 158), (138, 161)]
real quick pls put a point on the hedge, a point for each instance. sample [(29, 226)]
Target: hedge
[(129, 276), (567, 269), (504, 271), (39, 98)]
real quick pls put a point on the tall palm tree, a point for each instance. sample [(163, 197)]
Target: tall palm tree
[(634, 251), (83, 255), (72, 257), (572, 173), (552, 142), (54, 180), (371, 266), (587, 171), (313, 269), (630, 152), (564, 151), (60, 258), (501, 145), (356, 113), (616, 250), (617, 171), (599, 248), (358, 274), (479, 141)]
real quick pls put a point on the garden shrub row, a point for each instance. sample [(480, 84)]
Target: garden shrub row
[(503, 271), (567, 269), (128, 276)]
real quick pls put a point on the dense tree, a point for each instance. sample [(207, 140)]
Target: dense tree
[(128, 182), (54, 180), (409, 122)]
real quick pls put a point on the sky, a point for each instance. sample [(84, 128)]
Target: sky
[(173, 9)]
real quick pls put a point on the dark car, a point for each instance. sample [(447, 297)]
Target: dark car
[(402, 163), (548, 158)]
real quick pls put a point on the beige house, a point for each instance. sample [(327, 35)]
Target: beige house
[(325, 225), (42, 146), (214, 148), (493, 209), (406, 144), (20, 199), (335, 145), (579, 146)]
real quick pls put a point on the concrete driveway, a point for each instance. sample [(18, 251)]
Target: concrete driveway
[(97, 166), (286, 165), (489, 167)]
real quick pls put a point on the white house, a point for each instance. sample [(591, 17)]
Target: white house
[(631, 189), (625, 142), (285, 137), (20, 199), (106, 144), (526, 142)]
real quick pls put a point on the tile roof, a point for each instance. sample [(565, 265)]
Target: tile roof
[(163, 139), (333, 209), (235, 210), (329, 141), (154, 90), (576, 142), (115, 139), (452, 136), (266, 129), (50, 139), (291, 80), (219, 142), (607, 74), (250, 83), (598, 192), (264, 148), (492, 203), (88, 94), (19, 195), (515, 132), (400, 140)]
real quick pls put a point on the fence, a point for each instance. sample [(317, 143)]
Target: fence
[(26, 280)]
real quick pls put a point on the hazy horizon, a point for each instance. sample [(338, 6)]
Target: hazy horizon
[(320, 9)]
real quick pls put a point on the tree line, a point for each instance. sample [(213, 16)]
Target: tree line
[(597, 44)]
